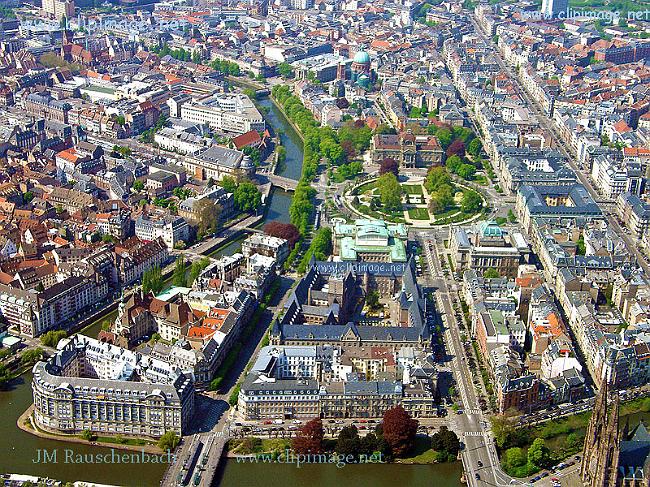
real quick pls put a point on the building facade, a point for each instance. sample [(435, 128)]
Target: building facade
[(105, 389)]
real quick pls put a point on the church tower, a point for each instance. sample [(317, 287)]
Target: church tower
[(602, 443)]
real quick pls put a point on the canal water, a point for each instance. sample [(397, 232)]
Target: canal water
[(292, 166)]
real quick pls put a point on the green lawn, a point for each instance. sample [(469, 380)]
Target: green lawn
[(413, 189), (480, 179), (366, 187), (418, 213)]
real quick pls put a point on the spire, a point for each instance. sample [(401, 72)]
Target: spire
[(626, 428)]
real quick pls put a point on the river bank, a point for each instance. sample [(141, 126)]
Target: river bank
[(26, 423)]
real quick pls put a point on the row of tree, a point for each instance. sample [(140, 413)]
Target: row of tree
[(226, 67), (320, 247), (394, 437), (181, 277), (152, 280)]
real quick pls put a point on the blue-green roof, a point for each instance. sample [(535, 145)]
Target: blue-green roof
[(362, 57), (490, 229)]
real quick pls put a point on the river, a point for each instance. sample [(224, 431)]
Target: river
[(18, 449)]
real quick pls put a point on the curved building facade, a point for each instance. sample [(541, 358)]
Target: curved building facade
[(95, 386)]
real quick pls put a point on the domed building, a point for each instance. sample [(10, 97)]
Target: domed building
[(361, 74)]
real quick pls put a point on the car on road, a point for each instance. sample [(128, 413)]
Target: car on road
[(477, 476), (460, 411), (268, 421)]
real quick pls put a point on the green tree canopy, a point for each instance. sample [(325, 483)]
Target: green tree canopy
[(247, 197), (390, 192), (471, 202)]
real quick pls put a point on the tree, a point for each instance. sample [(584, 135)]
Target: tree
[(169, 441), (581, 248), (309, 438), (456, 148), (471, 202), (368, 444), (229, 184), (88, 435), (348, 442), (475, 147), (285, 70), (491, 273), (28, 196), (247, 197), (513, 458), (320, 247), (385, 129), (442, 199), (390, 192), (372, 300), (447, 442), (348, 149), (196, 268), (209, 213), (539, 454), (53, 337), (453, 163), (152, 280), (436, 177), (399, 430), (506, 433), (30, 357), (466, 171), (178, 276), (444, 137), (287, 231), (388, 165)]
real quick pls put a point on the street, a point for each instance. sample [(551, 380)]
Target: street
[(479, 455)]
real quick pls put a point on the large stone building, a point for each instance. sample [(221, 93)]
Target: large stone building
[(321, 306), (488, 246), (108, 390), (408, 150), (328, 381), (170, 229), (370, 241), (233, 113), (34, 312), (217, 162)]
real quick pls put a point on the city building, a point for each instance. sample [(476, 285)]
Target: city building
[(304, 382), (108, 390), (634, 213), (217, 162), (554, 9), (169, 228), (567, 201), (262, 244), (408, 150), (370, 241), (487, 246), (234, 113)]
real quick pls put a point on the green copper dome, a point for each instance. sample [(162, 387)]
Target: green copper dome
[(362, 57)]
